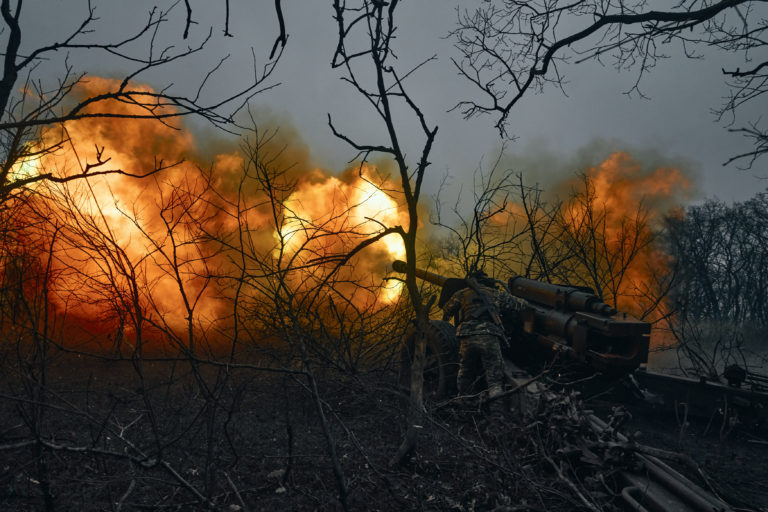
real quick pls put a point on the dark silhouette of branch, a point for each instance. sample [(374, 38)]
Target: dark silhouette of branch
[(282, 38), (739, 73), (226, 23), (189, 17), (28, 105), (509, 49)]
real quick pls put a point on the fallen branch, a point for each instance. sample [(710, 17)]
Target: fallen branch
[(570, 484), (516, 388), (237, 493), (464, 398), (127, 493)]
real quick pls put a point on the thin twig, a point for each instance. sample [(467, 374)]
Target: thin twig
[(237, 493), (125, 495)]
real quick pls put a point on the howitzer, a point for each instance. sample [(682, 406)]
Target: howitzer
[(565, 319), (574, 321)]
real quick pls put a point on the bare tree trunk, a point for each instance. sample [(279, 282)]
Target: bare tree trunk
[(374, 22)]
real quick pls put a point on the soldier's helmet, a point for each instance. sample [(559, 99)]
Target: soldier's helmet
[(482, 278), (478, 274)]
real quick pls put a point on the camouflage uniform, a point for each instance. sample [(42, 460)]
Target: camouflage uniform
[(480, 336)]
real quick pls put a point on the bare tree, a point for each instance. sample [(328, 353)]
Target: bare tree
[(580, 240), (100, 270), (543, 253), (26, 323), (32, 110), (369, 70), (294, 286), (489, 237), (719, 297), (510, 48), (603, 249)]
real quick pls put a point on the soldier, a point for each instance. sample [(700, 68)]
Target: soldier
[(476, 312)]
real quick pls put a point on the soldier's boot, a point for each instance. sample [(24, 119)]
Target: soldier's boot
[(495, 405), (464, 382)]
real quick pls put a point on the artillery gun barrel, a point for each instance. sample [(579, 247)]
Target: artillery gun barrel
[(568, 298), (431, 277)]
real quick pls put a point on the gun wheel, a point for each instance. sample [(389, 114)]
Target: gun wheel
[(442, 363)]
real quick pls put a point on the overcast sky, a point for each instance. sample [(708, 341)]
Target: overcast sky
[(675, 121)]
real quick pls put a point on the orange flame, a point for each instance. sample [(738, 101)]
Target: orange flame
[(628, 201), (350, 208), (160, 226)]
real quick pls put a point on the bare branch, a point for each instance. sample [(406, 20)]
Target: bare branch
[(510, 49)]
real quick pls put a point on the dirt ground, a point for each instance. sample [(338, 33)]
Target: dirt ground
[(110, 443)]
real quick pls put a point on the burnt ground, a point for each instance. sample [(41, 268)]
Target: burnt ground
[(107, 442)]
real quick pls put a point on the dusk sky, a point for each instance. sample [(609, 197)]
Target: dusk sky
[(675, 122)]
